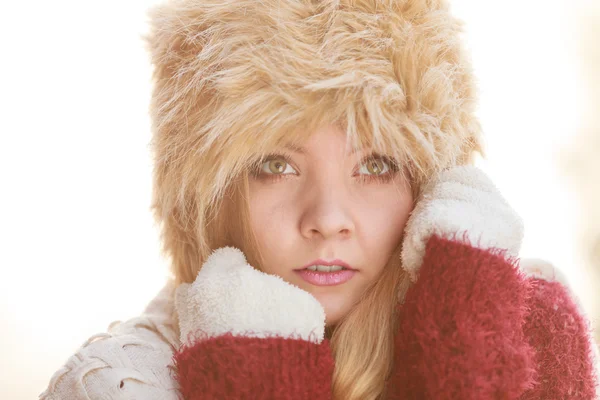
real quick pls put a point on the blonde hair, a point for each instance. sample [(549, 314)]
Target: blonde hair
[(236, 79)]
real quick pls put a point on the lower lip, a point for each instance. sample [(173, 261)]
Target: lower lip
[(326, 278)]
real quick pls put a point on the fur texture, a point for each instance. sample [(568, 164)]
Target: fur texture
[(461, 200), (562, 338), (460, 333), (230, 296), (556, 317), (235, 78)]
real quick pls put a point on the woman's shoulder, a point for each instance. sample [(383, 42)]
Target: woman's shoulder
[(130, 360)]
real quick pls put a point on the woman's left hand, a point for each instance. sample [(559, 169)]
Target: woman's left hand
[(460, 332), (461, 203)]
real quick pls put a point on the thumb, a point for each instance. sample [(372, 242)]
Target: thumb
[(223, 260)]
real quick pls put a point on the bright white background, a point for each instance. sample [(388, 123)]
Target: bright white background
[(78, 248)]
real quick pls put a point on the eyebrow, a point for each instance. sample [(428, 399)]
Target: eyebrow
[(302, 150)]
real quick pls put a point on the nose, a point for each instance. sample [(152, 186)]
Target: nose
[(327, 213)]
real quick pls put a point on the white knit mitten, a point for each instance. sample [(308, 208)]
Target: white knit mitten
[(461, 201), (230, 296)]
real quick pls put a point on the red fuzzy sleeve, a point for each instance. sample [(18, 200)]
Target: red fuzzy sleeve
[(234, 367), (561, 336), (461, 328)]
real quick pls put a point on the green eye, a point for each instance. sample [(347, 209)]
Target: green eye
[(277, 166), (374, 166)]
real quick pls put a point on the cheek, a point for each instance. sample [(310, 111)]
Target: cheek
[(262, 215), (384, 225), (270, 221)]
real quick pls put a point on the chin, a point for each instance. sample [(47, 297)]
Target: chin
[(335, 308), (336, 300)]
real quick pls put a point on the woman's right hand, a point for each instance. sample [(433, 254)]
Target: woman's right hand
[(230, 296), (250, 335)]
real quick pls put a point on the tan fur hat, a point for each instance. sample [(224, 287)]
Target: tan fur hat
[(236, 78)]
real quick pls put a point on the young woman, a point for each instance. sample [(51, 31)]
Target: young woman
[(329, 237)]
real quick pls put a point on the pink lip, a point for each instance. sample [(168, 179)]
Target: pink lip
[(326, 278), (328, 263)]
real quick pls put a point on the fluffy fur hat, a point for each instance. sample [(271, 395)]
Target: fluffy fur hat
[(235, 78)]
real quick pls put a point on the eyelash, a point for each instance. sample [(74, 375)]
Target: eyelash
[(363, 178)]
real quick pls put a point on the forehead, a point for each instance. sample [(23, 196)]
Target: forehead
[(352, 141), (301, 150)]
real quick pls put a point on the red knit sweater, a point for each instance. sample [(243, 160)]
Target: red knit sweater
[(471, 327)]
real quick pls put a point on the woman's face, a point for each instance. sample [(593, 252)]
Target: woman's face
[(321, 203)]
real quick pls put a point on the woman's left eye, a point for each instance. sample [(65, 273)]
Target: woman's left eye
[(375, 166)]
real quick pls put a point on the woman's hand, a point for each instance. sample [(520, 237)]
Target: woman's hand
[(249, 335), (461, 203), (230, 296), (478, 323), (460, 332)]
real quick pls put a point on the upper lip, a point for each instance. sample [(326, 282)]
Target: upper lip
[(328, 263)]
